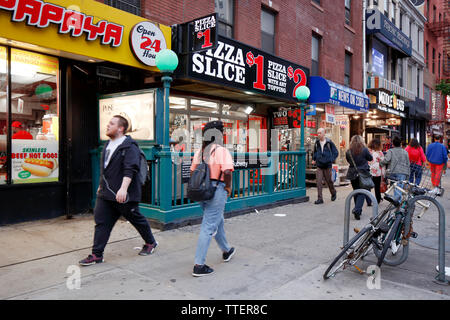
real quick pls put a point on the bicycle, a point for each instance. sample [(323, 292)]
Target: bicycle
[(376, 235)]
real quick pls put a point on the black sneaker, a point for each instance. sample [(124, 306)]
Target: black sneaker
[(227, 255), (148, 249), (333, 197), (90, 260), (203, 270), (318, 201)]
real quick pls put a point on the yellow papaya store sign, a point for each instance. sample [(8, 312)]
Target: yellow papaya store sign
[(85, 28)]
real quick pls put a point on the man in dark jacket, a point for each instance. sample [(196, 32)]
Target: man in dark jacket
[(119, 191), (324, 154)]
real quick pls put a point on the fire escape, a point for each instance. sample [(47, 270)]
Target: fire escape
[(441, 29)]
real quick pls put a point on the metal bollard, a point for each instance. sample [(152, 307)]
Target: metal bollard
[(347, 209)]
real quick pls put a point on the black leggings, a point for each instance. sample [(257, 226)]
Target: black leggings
[(377, 182)]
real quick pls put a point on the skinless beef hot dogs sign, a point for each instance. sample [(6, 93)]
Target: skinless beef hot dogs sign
[(236, 65)]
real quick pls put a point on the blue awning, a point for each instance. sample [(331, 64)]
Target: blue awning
[(326, 91)]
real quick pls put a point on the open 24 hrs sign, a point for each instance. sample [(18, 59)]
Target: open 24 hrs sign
[(236, 65)]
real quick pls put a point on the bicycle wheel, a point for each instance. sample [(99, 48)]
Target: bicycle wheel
[(350, 251), (393, 240)]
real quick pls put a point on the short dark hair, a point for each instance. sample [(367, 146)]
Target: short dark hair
[(122, 123), (375, 144), (436, 137), (396, 141)]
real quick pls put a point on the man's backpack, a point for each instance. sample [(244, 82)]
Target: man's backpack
[(143, 168), (200, 187)]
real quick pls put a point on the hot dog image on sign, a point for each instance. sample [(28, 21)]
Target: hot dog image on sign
[(34, 161), (146, 40)]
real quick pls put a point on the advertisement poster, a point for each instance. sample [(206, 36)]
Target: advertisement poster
[(377, 63), (34, 161), (137, 107)]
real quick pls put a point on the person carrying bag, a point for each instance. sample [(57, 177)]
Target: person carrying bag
[(358, 172)]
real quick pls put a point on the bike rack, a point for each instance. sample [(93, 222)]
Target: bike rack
[(347, 209), (440, 279)]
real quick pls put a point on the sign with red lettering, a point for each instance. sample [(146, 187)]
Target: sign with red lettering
[(203, 33), (146, 40), (41, 14), (447, 108), (233, 64)]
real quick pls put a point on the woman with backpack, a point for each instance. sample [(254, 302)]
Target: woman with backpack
[(220, 169)]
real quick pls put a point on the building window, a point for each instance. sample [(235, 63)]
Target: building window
[(394, 11), (188, 115), (348, 12), (34, 125), (410, 88), (348, 69), (315, 54), (316, 1), (268, 31), (418, 82), (386, 8), (432, 61), (401, 20), (400, 72), (225, 9), (434, 13), (427, 48), (131, 6), (439, 66), (375, 2)]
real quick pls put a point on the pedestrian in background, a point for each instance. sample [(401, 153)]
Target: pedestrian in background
[(119, 191), (396, 160), (437, 157), (324, 154), (358, 157), (376, 170), (416, 159), (221, 169)]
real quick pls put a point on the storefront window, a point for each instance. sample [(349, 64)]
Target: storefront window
[(189, 115), (3, 124), (35, 117)]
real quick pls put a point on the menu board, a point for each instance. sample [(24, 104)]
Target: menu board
[(34, 161), (137, 107)]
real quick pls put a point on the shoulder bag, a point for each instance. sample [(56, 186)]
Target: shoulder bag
[(365, 180)]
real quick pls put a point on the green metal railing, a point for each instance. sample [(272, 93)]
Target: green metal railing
[(164, 196), (246, 182)]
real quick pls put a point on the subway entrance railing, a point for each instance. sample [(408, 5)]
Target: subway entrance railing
[(164, 197)]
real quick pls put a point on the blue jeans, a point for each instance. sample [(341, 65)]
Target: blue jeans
[(398, 177), (212, 222), (415, 172)]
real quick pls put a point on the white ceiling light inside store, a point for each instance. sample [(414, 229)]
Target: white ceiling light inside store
[(319, 109), (177, 103), (203, 103)]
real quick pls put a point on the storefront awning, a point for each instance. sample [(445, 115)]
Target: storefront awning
[(326, 91), (417, 110), (380, 26)]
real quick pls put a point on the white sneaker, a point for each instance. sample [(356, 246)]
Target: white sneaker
[(435, 191)]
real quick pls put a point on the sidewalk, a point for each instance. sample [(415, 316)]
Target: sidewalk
[(281, 253)]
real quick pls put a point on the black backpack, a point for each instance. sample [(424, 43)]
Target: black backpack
[(200, 187), (143, 168), (143, 173)]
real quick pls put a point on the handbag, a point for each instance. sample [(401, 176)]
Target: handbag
[(365, 180)]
